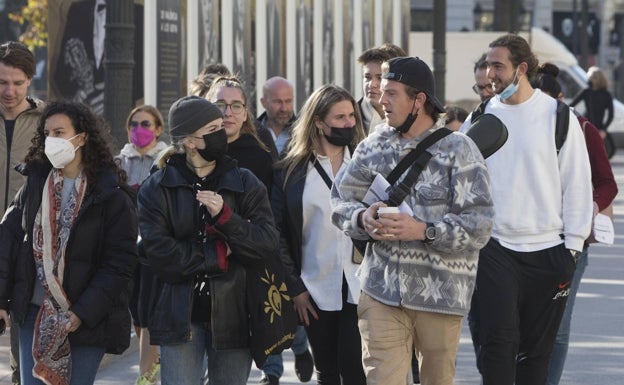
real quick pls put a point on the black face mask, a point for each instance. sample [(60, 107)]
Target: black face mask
[(341, 136), (216, 145), (407, 124)]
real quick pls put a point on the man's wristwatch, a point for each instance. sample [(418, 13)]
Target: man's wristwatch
[(430, 233)]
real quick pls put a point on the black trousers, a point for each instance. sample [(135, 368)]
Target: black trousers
[(337, 345), (517, 305)]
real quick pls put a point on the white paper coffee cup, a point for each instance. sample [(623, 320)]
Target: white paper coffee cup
[(388, 210)]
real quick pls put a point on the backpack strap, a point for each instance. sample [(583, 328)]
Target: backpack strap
[(561, 125), (479, 110), (398, 193)]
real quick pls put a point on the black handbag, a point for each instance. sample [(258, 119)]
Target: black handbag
[(488, 133)]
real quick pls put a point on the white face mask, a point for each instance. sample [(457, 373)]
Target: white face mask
[(60, 151), (511, 88)]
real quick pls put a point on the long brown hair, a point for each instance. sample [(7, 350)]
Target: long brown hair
[(305, 136)]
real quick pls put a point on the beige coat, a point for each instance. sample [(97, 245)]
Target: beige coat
[(25, 128)]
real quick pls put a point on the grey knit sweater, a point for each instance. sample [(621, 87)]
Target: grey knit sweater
[(453, 192)]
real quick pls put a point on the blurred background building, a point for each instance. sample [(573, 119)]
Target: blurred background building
[(310, 42)]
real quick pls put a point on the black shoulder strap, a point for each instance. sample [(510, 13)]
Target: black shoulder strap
[(397, 193), (561, 124), (479, 110), (321, 170), (408, 159)]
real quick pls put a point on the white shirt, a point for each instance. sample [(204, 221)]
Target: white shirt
[(538, 194), (326, 250)]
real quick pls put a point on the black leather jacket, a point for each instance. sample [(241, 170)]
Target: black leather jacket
[(169, 220), (288, 213), (100, 256)]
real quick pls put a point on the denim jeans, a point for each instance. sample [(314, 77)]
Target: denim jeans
[(274, 364), (183, 364), (85, 359), (560, 349)]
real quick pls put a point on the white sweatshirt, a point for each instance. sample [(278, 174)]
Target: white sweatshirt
[(538, 194)]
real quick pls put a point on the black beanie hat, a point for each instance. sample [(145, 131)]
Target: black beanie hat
[(190, 113)]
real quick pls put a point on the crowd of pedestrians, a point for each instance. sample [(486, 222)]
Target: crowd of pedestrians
[(376, 223)]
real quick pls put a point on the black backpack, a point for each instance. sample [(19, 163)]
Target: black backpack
[(561, 126)]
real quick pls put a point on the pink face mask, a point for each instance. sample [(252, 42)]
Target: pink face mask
[(141, 136)]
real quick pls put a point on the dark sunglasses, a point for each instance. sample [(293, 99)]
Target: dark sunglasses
[(143, 123)]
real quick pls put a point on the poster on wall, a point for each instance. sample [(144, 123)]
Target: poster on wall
[(347, 45), (304, 52), (168, 54), (275, 38), (209, 37), (242, 55), (76, 56)]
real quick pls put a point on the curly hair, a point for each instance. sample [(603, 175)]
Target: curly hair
[(97, 153)]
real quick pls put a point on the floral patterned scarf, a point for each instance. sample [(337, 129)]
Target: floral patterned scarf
[(51, 350)]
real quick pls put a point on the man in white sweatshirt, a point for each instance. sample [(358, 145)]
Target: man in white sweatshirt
[(543, 205)]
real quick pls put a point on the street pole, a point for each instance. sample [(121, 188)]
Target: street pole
[(118, 67), (439, 48), (584, 38)]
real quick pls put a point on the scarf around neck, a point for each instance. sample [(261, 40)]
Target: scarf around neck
[(51, 350)]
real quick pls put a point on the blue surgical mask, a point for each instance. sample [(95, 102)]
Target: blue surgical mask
[(510, 89)]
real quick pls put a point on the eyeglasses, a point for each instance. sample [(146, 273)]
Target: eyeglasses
[(236, 107), (142, 123), (479, 88)]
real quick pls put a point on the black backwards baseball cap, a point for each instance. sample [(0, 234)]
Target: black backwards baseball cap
[(415, 73)]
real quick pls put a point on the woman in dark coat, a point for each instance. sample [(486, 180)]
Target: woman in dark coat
[(71, 239), (202, 221), (598, 100)]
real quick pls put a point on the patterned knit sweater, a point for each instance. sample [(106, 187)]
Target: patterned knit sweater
[(453, 192)]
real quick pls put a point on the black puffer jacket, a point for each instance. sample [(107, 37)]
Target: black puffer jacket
[(100, 257), (170, 221)]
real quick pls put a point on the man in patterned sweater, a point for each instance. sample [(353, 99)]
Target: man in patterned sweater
[(419, 270)]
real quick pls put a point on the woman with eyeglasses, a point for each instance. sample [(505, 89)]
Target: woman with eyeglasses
[(228, 94), (145, 126), (69, 250), (137, 157)]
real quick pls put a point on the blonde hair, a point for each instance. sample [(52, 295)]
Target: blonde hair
[(305, 136), (176, 147), (598, 78)]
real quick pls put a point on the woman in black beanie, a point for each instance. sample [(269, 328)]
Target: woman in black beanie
[(202, 220)]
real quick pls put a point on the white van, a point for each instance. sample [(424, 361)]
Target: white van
[(463, 49)]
